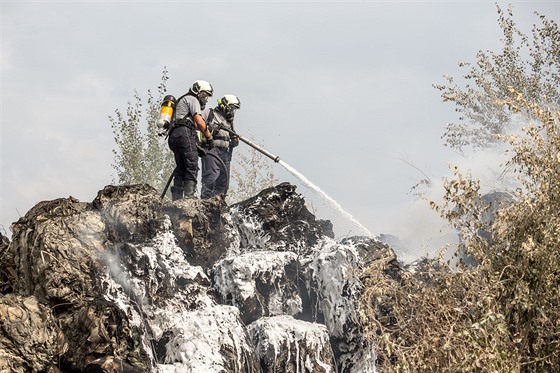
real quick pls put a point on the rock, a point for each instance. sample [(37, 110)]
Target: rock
[(103, 329), (30, 339), (260, 284), (4, 243), (280, 216), (200, 228), (130, 211), (131, 283), (212, 339), (110, 364), (372, 251), (55, 247), (334, 278), (285, 344), (8, 270)]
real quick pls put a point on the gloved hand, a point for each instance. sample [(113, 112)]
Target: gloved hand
[(209, 143), (201, 151), (233, 141)]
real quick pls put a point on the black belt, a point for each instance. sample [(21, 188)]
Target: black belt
[(184, 123)]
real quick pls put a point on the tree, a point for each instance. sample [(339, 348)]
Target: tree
[(141, 154), (502, 313), (531, 65)]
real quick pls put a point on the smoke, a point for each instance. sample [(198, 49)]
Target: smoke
[(117, 270), (420, 231)]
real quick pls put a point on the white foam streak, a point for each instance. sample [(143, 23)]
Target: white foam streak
[(325, 196)]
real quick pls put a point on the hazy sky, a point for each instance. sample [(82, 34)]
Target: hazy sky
[(341, 91)]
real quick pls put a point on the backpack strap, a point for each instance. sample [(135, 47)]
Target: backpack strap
[(173, 124), (177, 103), (210, 116)]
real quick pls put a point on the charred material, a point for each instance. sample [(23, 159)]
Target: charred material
[(130, 284)]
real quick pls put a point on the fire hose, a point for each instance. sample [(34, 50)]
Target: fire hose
[(253, 145)]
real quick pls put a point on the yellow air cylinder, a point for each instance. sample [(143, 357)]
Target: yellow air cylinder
[(166, 112)]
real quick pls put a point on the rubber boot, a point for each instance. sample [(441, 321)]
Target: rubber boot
[(190, 189), (205, 193), (176, 193)]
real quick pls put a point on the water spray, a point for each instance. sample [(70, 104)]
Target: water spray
[(303, 179), (318, 190)]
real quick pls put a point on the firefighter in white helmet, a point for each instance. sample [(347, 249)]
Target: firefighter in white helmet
[(215, 174), (183, 138)]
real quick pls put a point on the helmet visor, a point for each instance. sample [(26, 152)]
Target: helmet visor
[(203, 97), (230, 111)]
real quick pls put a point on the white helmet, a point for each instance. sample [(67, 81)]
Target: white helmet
[(202, 90), (229, 100), (202, 86), (228, 105)]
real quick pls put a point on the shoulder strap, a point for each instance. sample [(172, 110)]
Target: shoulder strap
[(210, 116), (177, 103), (172, 124)]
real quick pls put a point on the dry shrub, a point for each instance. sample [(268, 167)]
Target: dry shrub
[(436, 321), (502, 315)]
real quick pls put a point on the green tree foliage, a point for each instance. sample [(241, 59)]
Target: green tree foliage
[(528, 63), (501, 314), (141, 154)]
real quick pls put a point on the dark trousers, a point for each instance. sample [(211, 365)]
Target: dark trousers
[(182, 143), (215, 179)]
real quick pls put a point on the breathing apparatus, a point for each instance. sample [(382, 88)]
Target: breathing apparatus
[(166, 112), (228, 104), (202, 90)]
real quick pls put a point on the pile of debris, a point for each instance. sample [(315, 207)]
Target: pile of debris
[(130, 284)]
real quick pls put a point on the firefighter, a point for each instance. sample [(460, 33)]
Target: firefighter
[(183, 140), (215, 173)]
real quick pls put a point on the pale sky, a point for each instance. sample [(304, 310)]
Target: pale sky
[(341, 91)]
